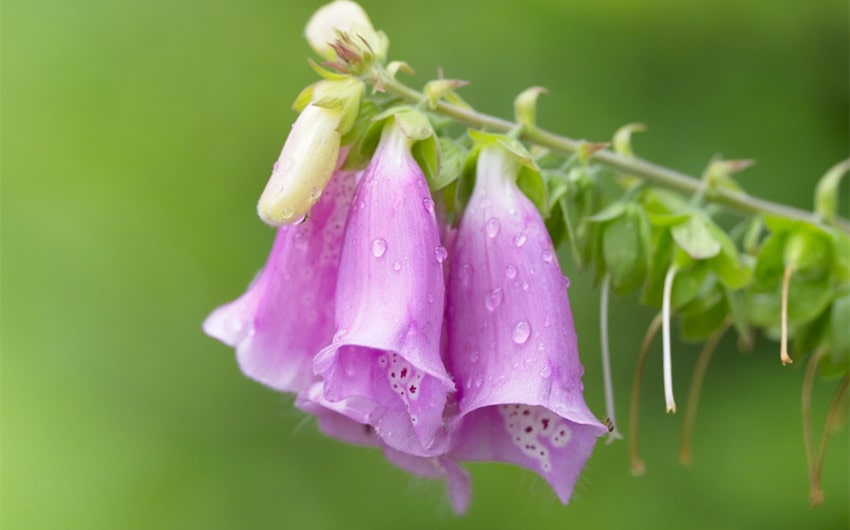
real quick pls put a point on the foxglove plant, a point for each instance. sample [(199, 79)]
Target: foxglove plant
[(384, 367), (511, 343), (355, 313)]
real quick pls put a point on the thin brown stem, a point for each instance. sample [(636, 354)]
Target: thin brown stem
[(686, 441), (637, 465), (815, 494), (783, 344)]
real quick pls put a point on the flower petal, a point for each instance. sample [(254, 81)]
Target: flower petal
[(389, 305), (511, 341), (286, 315)]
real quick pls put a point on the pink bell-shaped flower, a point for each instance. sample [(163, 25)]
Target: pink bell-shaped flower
[(287, 314), (384, 367), (511, 341)]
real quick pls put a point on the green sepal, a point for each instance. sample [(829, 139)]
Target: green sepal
[(695, 238), (623, 138), (364, 137), (324, 72), (342, 95), (304, 97), (438, 89), (525, 106), (414, 125), (826, 192)]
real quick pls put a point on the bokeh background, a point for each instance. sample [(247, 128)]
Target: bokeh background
[(136, 137)]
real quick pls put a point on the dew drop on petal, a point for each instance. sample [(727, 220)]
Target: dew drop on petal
[(428, 204), (546, 373), (547, 322), (521, 332), (397, 265), (547, 256), (379, 247), (287, 213), (474, 358), (465, 274), (511, 271), (441, 253), (493, 299), (520, 239), (492, 227)]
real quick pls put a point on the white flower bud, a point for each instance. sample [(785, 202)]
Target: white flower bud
[(347, 17)]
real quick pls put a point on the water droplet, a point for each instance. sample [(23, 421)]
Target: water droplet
[(566, 282), (547, 322), (428, 204), (547, 256), (441, 253), (492, 227), (287, 213), (474, 358), (361, 204), (315, 193), (430, 298), (465, 274), (546, 372), (397, 265), (493, 299), (379, 247), (524, 286), (521, 332), (511, 271), (520, 239), (276, 165)]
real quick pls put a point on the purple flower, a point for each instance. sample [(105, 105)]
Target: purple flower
[(384, 367), (286, 316), (335, 423), (511, 342)]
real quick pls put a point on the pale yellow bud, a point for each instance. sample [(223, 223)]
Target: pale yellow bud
[(305, 166)]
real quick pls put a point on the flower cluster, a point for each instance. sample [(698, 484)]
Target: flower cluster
[(437, 342)]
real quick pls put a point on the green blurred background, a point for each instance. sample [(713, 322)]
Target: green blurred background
[(136, 137)]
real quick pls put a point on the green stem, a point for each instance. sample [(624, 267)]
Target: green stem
[(622, 164)]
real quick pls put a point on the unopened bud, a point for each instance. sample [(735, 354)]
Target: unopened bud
[(347, 18)]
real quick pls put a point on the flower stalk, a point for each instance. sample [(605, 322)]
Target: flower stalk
[(633, 166)]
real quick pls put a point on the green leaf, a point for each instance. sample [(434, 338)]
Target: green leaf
[(808, 298), (452, 157), (530, 182), (426, 154), (414, 125), (730, 269), (770, 265), (612, 211), (688, 283), (841, 263), (623, 249), (808, 250), (840, 320), (653, 289), (695, 238)]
